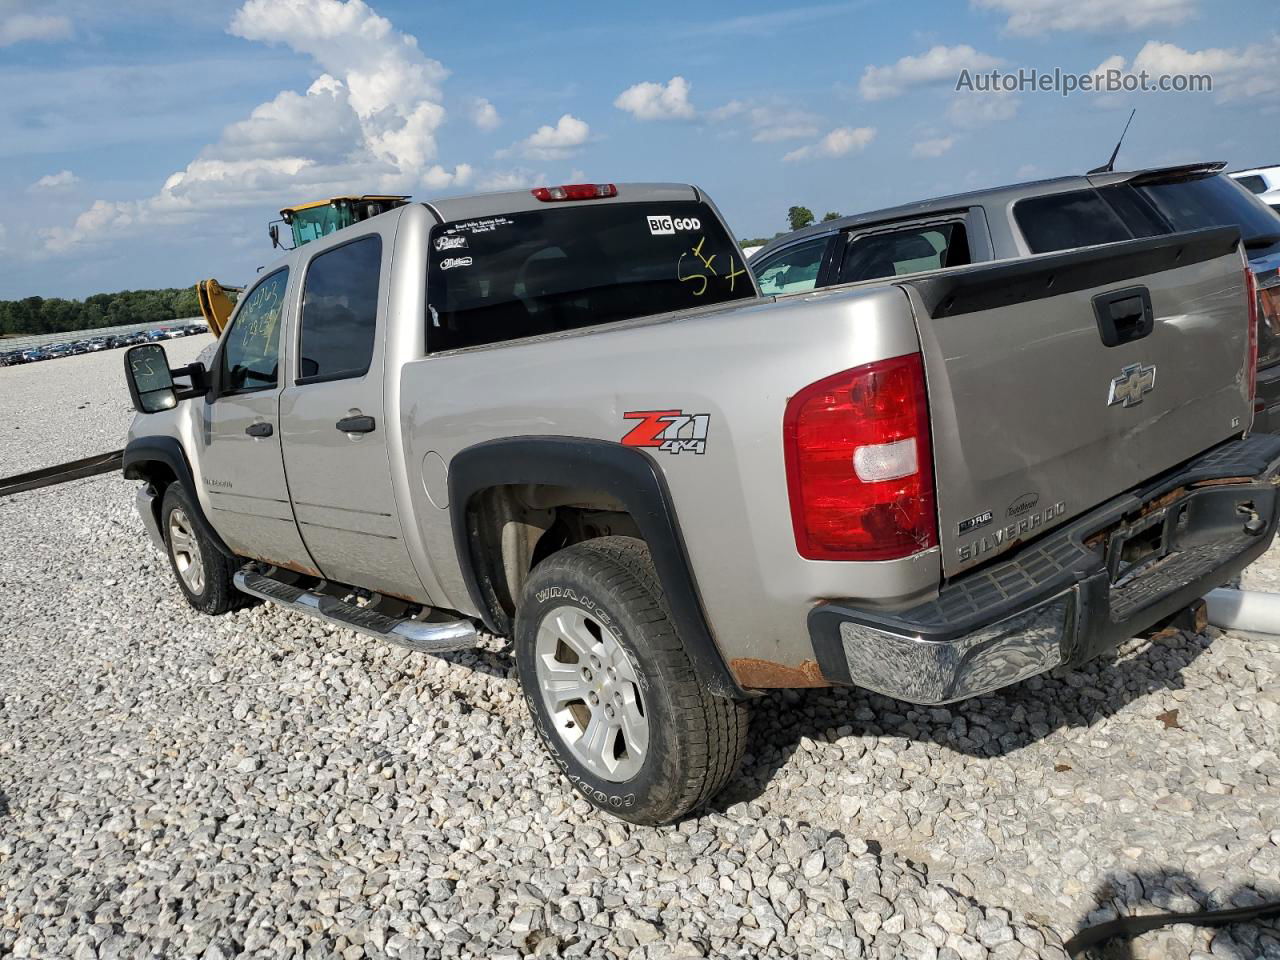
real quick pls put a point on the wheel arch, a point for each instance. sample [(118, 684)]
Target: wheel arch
[(625, 475), (161, 461)]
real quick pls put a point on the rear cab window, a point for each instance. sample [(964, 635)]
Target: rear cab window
[(573, 265)]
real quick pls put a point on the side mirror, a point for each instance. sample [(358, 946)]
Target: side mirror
[(146, 368)]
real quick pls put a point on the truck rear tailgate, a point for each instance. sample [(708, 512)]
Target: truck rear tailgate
[(1053, 386)]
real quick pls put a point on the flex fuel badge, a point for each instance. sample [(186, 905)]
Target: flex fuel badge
[(672, 431)]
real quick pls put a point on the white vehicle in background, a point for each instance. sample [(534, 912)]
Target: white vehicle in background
[(750, 252), (1263, 181)]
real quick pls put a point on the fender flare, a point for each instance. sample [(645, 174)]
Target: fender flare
[(142, 451), (624, 473)]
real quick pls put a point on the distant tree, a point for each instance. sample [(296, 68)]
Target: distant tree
[(830, 215), (55, 315), (799, 217)]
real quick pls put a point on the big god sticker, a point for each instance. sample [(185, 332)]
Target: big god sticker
[(660, 225)]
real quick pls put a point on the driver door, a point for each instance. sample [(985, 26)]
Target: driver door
[(241, 465)]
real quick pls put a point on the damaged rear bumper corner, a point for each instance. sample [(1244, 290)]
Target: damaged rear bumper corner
[(1065, 597)]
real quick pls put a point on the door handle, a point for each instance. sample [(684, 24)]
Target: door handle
[(259, 429), (356, 424)]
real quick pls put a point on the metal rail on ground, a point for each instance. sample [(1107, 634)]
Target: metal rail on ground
[(100, 463)]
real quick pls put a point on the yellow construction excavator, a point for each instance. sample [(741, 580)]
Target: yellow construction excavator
[(308, 221)]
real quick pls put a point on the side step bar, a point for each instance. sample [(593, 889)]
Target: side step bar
[(417, 635)]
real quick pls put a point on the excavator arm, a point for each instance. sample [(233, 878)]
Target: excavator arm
[(215, 304)]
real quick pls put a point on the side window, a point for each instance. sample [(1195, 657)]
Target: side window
[(1253, 183), (792, 271), (1063, 221), (251, 356), (901, 252), (340, 311)]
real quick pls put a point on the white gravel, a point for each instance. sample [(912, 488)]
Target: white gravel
[(72, 407), (262, 785)]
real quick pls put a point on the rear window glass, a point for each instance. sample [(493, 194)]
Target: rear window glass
[(575, 265), (1215, 201), (1063, 221), (1253, 183), (903, 252)]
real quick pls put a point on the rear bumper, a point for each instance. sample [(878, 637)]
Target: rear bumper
[(1071, 594)]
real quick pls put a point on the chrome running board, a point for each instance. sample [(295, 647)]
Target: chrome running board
[(420, 635)]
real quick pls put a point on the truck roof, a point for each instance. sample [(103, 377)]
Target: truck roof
[(517, 201), (989, 196)]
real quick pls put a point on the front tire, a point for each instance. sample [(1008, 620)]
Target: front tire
[(611, 689), (203, 572)]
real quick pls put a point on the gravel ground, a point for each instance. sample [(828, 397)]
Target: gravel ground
[(72, 407), (263, 785)]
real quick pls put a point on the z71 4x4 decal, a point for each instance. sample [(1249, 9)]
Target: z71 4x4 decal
[(670, 430)]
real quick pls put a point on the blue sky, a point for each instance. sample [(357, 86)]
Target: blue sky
[(150, 147)]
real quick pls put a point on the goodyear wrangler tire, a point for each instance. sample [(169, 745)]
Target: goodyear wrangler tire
[(203, 573), (611, 690)]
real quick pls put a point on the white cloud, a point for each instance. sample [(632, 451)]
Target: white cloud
[(437, 177), (484, 114), (770, 121), (938, 65), (62, 180), (368, 123), (516, 179), (973, 110), (657, 101), (935, 147), (1237, 73), (1032, 17), (838, 143), (20, 27), (551, 143)]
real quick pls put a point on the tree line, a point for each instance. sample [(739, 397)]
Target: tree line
[(55, 315), (797, 219)]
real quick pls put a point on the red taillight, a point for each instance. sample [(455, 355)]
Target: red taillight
[(576, 191), (860, 464), (1251, 361)]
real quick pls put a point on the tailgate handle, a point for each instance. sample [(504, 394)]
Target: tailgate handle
[(1124, 315)]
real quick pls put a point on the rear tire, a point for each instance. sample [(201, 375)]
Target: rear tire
[(203, 572), (611, 689)]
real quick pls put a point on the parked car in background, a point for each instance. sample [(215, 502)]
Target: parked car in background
[(1262, 182), (1040, 217)]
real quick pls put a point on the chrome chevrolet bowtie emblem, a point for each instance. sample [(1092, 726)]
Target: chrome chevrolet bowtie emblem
[(1134, 382)]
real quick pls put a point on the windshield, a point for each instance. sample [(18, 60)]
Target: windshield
[(1211, 202), (575, 265)]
